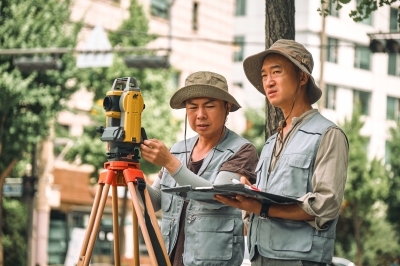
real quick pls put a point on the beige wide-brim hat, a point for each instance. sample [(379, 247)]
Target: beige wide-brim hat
[(293, 51), (203, 84)]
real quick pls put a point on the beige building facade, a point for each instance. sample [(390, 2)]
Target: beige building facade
[(199, 35)]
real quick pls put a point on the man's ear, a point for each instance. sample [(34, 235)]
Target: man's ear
[(228, 108), (303, 78)]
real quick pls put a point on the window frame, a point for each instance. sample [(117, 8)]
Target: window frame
[(238, 56), (240, 8), (159, 8), (393, 16), (394, 114), (332, 10), (367, 21), (365, 109), (358, 57), (332, 50), (394, 64), (330, 102)]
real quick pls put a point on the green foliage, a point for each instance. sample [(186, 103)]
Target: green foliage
[(255, 131), (393, 199), (366, 188), (380, 242), (134, 30), (29, 100), (155, 87), (14, 232), (363, 9)]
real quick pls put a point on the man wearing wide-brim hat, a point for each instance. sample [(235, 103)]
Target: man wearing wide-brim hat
[(305, 160), (196, 233)]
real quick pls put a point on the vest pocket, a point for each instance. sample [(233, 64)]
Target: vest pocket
[(214, 238), (296, 176), (287, 235), (166, 231), (166, 198), (261, 177)]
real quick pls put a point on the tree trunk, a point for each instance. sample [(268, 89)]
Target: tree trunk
[(279, 24), (3, 176)]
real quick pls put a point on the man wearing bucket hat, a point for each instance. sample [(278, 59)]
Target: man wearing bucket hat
[(306, 159), (195, 233)]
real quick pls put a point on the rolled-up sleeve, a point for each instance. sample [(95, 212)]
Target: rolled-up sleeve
[(329, 179)]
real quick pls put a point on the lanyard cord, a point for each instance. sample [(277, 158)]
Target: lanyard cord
[(282, 125)]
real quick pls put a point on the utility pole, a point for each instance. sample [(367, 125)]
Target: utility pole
[(29, 191), (42, 210), (322, 103)]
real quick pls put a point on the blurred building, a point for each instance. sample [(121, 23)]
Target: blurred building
[(200, 36), (350, 73)]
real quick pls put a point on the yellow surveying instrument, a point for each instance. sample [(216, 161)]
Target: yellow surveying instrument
[(124, 105)]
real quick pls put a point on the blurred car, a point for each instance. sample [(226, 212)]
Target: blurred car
[(336, 261)]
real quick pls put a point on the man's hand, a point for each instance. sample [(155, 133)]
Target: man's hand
[(241, 202), (155, 152)]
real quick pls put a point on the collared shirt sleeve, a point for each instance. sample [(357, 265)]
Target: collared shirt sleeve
[(329, 179)]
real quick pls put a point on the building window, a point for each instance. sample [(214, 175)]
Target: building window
[(393, 109), (239, 49), (332, 50), (394, 65), (57, 238), (174, 79), (362, 98), (332, 9), (195, 11), (387, 152), (240, 8), (159, 8), (362, 57), (330, 97), (369, 19), (393, 24)]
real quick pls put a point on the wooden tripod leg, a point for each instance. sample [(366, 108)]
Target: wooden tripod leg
[(96, 226), (117, 258), (135, 237), (89, 228), (145, 232), (155, 225)]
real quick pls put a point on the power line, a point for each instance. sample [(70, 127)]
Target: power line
[(53, 50)]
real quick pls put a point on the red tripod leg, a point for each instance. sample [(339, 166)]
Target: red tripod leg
[(89, 228), (117, 261), (146, 236), (135, 225), (131, 175), (106, 178)]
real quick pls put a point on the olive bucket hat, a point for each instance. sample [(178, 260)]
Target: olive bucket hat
[(293, 51), (203, 84)]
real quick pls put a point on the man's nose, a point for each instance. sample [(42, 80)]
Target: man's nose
[(201, 113), (270, 81)]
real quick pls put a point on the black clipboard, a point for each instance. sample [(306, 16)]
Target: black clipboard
[(206, 194)]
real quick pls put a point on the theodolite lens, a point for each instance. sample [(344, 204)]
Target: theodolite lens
[(107, 103)]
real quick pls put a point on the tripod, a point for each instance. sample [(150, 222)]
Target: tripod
[(125, 173)]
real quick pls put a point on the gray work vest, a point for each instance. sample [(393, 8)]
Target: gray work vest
[(292, 177), (212, 237)]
